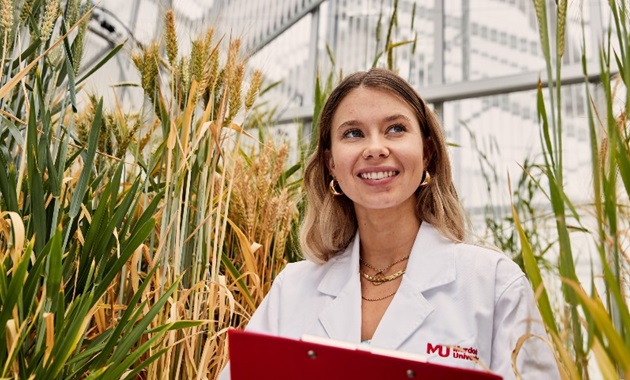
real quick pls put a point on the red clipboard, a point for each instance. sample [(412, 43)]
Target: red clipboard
[(261, 356)]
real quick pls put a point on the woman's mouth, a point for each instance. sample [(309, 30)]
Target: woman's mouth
[(378, 175)]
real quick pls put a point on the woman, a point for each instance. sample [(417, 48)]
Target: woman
[(383, 235)]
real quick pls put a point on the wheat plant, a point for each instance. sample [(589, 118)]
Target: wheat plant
[(596, 325), (123, 254)]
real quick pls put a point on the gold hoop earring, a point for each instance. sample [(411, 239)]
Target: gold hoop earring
[(333, 188), (426, 179)]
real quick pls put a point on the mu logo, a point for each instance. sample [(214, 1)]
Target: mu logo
[(457, 352), (443, 351)]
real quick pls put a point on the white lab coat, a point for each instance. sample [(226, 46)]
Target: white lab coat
[(452, 295)]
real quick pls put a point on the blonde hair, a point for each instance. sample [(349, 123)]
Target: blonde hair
[(330, 222)]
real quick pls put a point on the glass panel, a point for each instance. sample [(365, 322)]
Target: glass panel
[(494, 135), (285, 60), (352, 35), (489, 38)]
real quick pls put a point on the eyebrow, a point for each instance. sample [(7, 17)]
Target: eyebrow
[(353, 123), (396, 117)]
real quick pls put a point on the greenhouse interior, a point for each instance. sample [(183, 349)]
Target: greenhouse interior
[(160, 165)]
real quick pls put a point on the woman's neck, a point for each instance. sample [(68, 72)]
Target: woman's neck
[(386, 237)]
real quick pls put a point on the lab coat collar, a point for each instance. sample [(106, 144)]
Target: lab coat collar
[(432, 260), (431, 264), (342, 317)]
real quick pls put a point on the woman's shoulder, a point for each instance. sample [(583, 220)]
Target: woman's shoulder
[(301, 268), (488, 262), (306, 269), (472, 252), (479, 252)]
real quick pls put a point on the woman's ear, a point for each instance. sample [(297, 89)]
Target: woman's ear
[(330, 163), (427, 153)]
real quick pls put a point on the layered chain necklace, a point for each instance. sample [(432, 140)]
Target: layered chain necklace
[(381, 272), (380, 277)]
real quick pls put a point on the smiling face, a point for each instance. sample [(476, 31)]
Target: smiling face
[(376, 151)]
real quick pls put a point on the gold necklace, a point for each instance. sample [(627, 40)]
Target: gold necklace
[(379, 298), (379, 279), (382, 271)]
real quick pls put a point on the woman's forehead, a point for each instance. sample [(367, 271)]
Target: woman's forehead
[(372, 103)]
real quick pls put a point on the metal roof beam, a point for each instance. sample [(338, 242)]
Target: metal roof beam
[(571, 74), (303, 12)]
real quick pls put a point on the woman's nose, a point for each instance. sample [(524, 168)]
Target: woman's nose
[(375, 149)]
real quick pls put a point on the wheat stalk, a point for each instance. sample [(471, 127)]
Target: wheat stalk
[(171, 37), (48, 19)]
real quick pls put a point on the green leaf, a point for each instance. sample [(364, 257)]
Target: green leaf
[(178, 325), (103, 61), (136, 333), (149, 211), (116, 372), (613, 290), (61, 76), (601, 318), (54, 267), (54, 182), (236, 275), (35, 181), (8, 181), (72, 91), (282, 180), (103, 244), (14, 289), (27, 53), (66, 340), (546, 137), (623, 160), (129, 246), (533, 273), (33, 288), (98, 374), (127, 320), (79, 192), (60, 161), (99, 219)]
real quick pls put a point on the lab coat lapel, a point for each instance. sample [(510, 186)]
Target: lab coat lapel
[(431, 264), (341, 318)]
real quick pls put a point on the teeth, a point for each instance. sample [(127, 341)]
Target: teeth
[(378, 175)]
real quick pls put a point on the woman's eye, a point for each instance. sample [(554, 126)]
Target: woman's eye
[(351, 133), (398, 128)]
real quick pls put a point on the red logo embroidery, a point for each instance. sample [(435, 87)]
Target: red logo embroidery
[(442, 351), (456, 352)]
